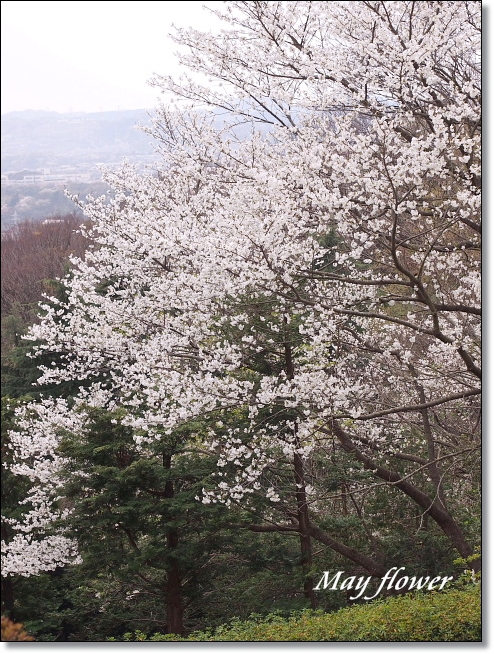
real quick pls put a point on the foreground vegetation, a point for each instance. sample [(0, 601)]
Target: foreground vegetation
[(453, 616)]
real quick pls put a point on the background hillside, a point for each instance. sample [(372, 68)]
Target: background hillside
[(33, 139), (45, 152)]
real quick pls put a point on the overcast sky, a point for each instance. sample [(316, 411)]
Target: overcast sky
[(90, 55), (93, 55)]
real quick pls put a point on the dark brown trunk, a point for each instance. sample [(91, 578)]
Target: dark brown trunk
[(373, 567), (8, 597), (434, 472), (301, 499), (174, 601), (447, 523), (304, 530), (7, 583)]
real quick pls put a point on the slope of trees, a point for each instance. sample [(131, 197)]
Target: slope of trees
[(290, 323), (35, 256)]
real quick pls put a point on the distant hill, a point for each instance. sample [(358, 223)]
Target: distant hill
[(44, 153), (46, 139)]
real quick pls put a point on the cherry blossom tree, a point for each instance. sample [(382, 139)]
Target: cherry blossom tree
[(311, 288), (39, 542)]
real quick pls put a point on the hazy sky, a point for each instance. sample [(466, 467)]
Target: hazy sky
[(90, 55)]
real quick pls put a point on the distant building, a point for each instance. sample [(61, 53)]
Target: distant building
[(54, 178)]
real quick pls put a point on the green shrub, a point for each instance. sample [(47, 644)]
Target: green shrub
[(452, 616)]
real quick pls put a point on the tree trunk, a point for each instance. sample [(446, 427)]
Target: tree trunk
[(301, 498), (374, 568), (304, 531), (8, 597), (432, 507), (174, 601)]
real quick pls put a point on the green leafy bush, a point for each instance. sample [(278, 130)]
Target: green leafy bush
[(452, 616)]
